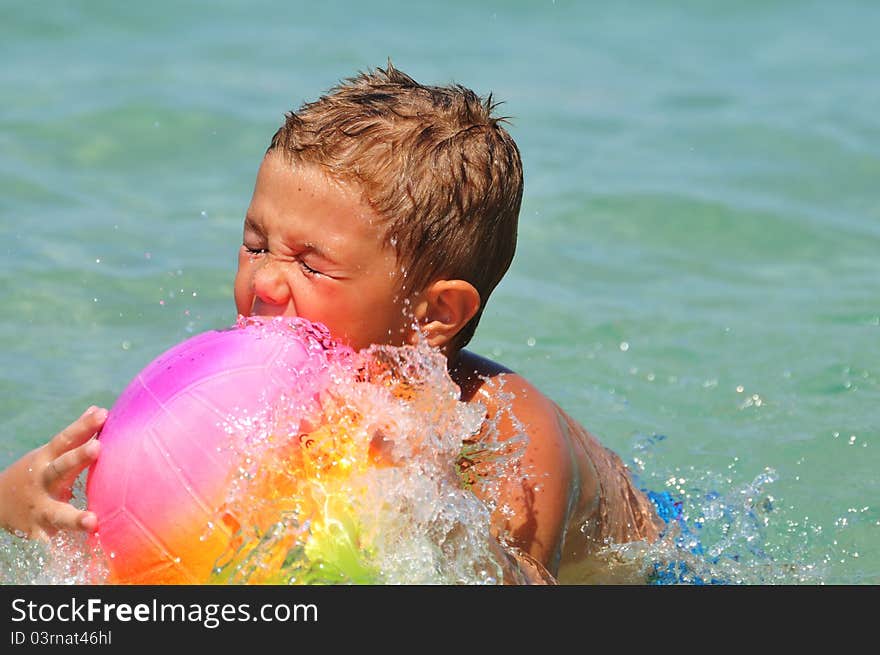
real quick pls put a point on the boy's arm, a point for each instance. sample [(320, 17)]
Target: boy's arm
[(533, 505), (36, 489)]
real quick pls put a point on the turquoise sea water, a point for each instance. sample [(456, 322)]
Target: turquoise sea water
[(697, 278)]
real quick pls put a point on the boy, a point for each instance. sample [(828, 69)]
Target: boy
[(387, 210)]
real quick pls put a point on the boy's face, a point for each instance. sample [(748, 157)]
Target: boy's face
[(314, 248)]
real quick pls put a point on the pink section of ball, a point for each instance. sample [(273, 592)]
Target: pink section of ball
[(169, 444)]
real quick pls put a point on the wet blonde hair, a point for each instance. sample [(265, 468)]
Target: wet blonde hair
[(432, 160)]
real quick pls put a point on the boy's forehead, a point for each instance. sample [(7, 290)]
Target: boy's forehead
[(305, 195), (280, 173)]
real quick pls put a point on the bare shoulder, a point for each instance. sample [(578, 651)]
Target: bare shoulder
[(477, 374), (502, 390), (534, 505), (573, 495)]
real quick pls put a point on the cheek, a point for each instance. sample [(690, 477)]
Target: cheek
[(241, 288)]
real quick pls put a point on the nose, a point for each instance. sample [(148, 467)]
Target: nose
[(270, 287)]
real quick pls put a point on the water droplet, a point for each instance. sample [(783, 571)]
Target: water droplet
[(624, 346)]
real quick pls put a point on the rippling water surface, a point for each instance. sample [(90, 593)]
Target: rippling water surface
[(697, 275)]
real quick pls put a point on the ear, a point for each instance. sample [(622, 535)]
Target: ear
[(444, 309)]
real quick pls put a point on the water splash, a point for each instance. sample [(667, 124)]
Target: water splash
[(719, 531), (368, 486), (379, 480)]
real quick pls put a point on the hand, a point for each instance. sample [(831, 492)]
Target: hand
[(35, 490)]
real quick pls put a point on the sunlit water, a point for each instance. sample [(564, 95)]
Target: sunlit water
[(696, 277)]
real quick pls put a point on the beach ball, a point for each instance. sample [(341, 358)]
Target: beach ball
[(173, 441)]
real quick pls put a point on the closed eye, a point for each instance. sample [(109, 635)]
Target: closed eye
[(308, 270)]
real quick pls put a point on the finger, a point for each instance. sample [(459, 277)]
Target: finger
[(78, 432), (64, 516), (62, 471)]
